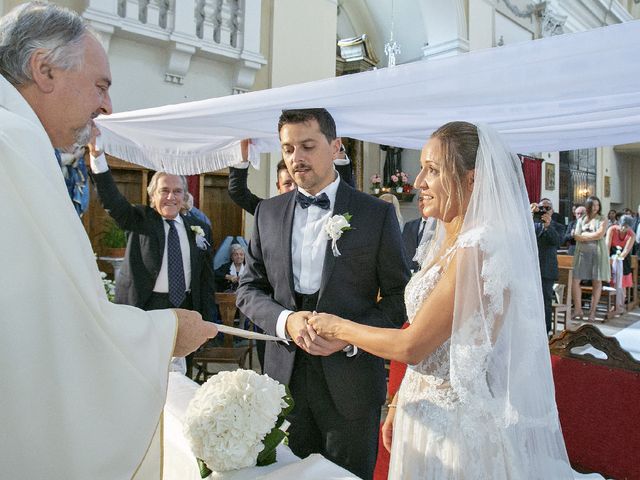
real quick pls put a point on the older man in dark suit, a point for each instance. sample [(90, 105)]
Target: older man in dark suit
[(293, 269), (155, 274), (168, 260)]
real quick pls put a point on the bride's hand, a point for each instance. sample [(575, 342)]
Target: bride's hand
[(387, 429), (326, 325)]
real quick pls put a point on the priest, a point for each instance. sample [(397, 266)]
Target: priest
[(83, 380)]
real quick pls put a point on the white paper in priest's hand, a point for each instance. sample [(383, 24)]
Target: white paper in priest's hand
[(238, 332)]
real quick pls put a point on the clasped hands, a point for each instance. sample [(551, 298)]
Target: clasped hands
[(315, 333)]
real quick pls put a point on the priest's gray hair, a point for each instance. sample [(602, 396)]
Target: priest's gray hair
[(39, 26)]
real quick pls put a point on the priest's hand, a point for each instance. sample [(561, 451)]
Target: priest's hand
[(192, 332)]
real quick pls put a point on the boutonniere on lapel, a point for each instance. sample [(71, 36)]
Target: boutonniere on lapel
[(201, 241), (335, 227)]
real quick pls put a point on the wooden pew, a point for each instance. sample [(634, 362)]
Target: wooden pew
[(598, 403)]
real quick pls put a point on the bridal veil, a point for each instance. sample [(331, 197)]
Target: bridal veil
[(500, 366)]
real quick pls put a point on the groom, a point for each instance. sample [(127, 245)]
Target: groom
[(292, 271)]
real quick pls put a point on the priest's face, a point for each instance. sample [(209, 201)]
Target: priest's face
[(168, 198), (309, 155), (77, 96)]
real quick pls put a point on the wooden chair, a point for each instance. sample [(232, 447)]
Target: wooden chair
[(608, 294), (563, 303), (597, 402), (228, 353)]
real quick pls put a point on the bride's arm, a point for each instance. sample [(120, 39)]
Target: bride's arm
[(430, 328)]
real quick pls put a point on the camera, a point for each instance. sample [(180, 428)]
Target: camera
[(537, 216)]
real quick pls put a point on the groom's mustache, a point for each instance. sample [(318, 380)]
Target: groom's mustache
[(301, 168)]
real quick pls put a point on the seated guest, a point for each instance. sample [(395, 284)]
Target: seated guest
[(248, 201), (227, 278), (228, 275), (168, 260)]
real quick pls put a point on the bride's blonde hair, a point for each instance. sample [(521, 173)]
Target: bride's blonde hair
[(458, 149)]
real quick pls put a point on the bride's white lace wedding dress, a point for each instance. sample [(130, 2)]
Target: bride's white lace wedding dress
[(433, 436), (439, 435), (482, 405)]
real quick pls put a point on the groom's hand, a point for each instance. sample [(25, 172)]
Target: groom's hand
[(316, 345), (307, 338), (296, 324)]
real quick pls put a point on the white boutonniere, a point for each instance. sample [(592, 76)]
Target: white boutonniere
[(201, 241), (335, 227)]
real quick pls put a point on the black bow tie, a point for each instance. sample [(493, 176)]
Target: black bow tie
[(321, 201)]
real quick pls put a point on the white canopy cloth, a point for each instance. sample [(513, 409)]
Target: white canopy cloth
[(559, 93)]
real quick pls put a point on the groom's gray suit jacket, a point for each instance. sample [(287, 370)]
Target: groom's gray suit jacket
[(372, 261)]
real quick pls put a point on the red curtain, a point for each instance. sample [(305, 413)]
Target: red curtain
[(532, 170), (193, 182)]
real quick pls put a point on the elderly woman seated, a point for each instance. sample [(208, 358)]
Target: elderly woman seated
[(228, 275)]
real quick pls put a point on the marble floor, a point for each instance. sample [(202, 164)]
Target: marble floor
[(610, 326)]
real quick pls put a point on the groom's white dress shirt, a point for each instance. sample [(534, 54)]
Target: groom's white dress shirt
[(308, 247)]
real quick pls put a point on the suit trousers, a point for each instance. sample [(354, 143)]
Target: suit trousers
[(316, 425), (548, 296)]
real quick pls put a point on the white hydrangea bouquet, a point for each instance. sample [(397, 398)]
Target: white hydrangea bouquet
[(234, 421)]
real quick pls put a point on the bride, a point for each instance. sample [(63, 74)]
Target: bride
[(477, 401)]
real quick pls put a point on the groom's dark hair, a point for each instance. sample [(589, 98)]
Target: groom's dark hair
[(303, 115)]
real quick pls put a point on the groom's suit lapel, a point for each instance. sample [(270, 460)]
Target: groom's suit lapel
[(285, 241), (343, 199)]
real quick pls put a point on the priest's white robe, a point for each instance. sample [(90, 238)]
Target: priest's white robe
[(83, 380)]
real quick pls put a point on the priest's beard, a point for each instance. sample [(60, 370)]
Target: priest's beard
[(83, 135)]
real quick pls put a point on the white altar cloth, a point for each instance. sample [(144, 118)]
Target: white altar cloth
[(180, 464)]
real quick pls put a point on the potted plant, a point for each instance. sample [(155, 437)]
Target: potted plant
[(375, 183), (398, 180), (113, 239)]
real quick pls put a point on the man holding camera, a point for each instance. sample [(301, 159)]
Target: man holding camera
[(549, 237)]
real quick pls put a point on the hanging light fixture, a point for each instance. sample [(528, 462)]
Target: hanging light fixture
[(392, 48)]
